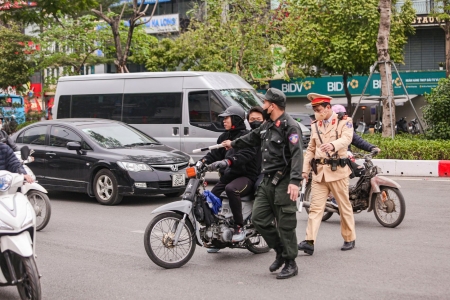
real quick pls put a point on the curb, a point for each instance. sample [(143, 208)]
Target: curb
[(421, 168)]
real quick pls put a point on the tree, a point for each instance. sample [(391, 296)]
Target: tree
[(17, 57), (338, 36), (73, 43), (122, 47), (437, 110), (441, 11), (228, 36), (46, 9)]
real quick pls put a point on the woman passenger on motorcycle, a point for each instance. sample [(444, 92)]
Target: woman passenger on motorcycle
[(238, 169)]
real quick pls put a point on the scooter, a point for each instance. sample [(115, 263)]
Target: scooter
[(36, 193), (414, 126), (17, 238)]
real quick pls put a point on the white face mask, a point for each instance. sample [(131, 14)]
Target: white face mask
[(320, 116)]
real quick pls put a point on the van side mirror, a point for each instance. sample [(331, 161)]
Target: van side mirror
[(73, 146), (24, 152)]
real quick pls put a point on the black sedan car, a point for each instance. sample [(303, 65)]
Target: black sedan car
[(103, 158)]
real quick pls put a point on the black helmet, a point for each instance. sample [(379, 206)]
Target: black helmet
[(234, 111), (276, 96)]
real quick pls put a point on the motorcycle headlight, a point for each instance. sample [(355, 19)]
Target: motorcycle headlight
[(29, 217), (5, 182), (134, 167), (4, 226), (29, 172)]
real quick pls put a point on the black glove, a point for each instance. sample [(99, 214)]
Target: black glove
[(220, 164)]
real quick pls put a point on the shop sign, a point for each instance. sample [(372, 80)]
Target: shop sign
[(163, 23), (415, 82)]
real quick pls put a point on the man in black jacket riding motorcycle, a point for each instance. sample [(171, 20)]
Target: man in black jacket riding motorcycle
[(4, 137), (238, 169)]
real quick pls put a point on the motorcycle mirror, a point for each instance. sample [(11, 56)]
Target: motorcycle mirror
[(24, 152)]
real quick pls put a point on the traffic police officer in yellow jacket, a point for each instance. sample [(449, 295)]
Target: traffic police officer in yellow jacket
[(280, 140), (326, 155)]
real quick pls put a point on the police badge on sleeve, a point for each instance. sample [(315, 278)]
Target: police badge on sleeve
[(293, 138)]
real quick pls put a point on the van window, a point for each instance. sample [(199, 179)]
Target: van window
[(242, 97), (64, 107), (35, 135), (160, 108), (204, 110), (105, 106)]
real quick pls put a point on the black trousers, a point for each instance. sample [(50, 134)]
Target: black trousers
[(241, 186)]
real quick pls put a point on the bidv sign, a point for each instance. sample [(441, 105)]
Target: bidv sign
[(164, 23)]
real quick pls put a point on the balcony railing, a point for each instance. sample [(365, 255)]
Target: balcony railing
[(422, 7)]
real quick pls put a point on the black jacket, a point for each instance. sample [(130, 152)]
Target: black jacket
[(244, 162), (6, 139), (360, 143), (9, 161), (281, 146)]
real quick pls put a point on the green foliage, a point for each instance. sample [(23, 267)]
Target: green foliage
[(409, 147), (17, 59), (227, 36), (72, 43), (437, 111), (339, 36)]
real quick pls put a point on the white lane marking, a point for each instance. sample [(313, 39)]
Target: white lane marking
[(138, 231)]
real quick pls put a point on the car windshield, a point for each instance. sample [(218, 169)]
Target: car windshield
[(245, 98), (112, 136)]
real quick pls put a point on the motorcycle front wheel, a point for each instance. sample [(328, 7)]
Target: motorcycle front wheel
[(42, 208), (257, 245), (30, 287), (389, 207), (326, 215), (158, 241)]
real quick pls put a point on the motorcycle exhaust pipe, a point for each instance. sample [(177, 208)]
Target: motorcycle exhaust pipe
[(307, 204)]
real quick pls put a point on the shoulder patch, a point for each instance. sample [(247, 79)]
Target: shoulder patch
[(293, 138), (349, 124)]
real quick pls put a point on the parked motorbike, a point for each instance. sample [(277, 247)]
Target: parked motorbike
[(378, 127), (36, 194), (371, 192), (414, 127), (362, 128), (17, 238), (401, 126), (171, 237)]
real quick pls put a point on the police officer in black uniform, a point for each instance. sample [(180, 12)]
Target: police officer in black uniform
[(282, 161)]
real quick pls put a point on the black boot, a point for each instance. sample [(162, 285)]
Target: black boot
[(348, 246), (290, 270), (279, 260), (307, 247)]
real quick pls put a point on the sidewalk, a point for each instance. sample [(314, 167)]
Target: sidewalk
[(421, 168)]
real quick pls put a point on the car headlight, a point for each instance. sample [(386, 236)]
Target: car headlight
[(134, 167), (4, 226), (5, 182), (29, 217)]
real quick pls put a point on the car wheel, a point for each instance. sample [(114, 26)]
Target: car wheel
[(105, 188), (177, 194)]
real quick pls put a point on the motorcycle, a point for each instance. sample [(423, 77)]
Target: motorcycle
[(362, 128), (371, 192), (17, 238), (172, 235), (401, 125), (36, 194), (414, 126), (378, 127)]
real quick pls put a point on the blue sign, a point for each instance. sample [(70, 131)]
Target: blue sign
[(139, 2)]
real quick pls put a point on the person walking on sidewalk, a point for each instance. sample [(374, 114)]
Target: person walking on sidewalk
[(282, 158), (326, 155)]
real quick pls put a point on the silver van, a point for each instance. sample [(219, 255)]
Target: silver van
[(180, 109)]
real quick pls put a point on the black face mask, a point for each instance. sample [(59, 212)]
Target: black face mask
[(266, 115), (255, 124)]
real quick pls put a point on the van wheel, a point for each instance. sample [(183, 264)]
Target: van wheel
[(105, 188), (177, 194)]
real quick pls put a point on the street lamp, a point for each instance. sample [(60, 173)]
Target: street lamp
[(363, 109)]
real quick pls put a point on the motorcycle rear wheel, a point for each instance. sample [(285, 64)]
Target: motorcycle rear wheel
[(30, 287), (391, 212), (42, 207), (257, 245), (158, 241), (326, 215)]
